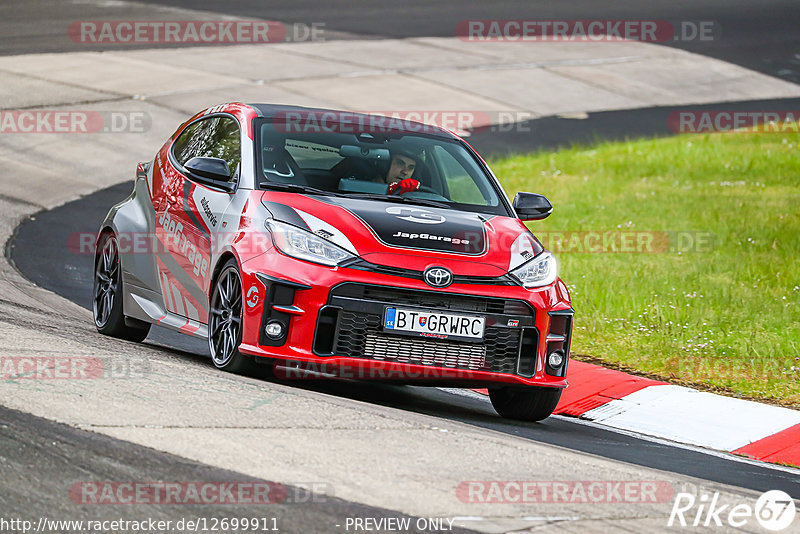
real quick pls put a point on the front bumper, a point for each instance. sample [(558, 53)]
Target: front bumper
[(333, 326)]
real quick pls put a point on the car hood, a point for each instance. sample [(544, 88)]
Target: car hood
[(409, 236)]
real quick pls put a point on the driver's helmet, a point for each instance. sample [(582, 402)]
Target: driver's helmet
[(408, 151)]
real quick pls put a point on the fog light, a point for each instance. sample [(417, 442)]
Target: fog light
[(274, 330), (555, 359)]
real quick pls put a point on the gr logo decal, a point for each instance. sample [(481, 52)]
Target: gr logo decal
[(252, 297), (415, 215)]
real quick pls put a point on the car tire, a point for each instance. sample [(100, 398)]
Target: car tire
[(107, 294), (225, 322), (529, 404)]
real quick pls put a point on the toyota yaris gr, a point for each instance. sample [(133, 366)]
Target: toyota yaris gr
[(336, 244)]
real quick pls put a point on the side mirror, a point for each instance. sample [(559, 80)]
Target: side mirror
[(532, 207), (213, 172)]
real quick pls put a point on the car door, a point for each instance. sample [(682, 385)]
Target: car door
[(190, 216)]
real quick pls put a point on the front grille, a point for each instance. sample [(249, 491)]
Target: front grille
[(421, 351), (360, 336), (433, 300), (352, 332), (363, 265)]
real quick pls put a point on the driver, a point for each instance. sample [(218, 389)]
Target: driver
[(401, 170)]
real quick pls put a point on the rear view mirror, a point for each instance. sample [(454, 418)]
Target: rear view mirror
[(210, 171), (532, 207), (354, 151)]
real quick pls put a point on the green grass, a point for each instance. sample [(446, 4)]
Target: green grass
[(724, 316)]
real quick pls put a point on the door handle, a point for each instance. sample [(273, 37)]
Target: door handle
[(172, 199)]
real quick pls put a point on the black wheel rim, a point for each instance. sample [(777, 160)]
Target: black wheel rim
[(225, 318), (106, 281)]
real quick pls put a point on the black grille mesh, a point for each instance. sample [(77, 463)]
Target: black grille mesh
[(421, 351), (439, 301), (360, 336)]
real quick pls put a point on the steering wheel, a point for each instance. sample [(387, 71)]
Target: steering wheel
[(428, 189), (423, 189)]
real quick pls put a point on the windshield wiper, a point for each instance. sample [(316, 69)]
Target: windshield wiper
[(295, 188), (401, 200)]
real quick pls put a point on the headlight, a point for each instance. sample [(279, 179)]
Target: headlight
[(540, 271), (303, 245)]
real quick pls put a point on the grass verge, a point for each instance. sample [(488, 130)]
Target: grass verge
[(682, 255)]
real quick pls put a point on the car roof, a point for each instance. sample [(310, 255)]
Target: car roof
[(400, 124)]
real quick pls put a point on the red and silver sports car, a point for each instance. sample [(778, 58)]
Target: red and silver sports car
[(330, 243)]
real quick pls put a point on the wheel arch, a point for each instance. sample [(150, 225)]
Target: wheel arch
[(221, 261), (107, 228)]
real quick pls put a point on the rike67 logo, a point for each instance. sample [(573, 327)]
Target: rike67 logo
[(774, 511)]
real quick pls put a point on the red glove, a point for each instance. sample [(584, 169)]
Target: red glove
[(404, 186)]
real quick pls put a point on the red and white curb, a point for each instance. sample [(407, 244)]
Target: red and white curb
[(680, 414)]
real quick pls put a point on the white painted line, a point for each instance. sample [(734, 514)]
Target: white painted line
[(694, 448), (647, 437), (694, 417)]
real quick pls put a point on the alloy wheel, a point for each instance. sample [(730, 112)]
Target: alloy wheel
[(106, 282), (225, 319)]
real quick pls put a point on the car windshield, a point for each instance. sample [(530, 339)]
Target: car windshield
[(341, 159)]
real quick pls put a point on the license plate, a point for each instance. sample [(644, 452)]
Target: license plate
[(433, 324)]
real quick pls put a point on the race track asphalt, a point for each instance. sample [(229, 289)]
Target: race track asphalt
[(761, 36), (45, 461)]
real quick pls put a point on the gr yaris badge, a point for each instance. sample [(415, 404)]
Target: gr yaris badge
[(438, 277)]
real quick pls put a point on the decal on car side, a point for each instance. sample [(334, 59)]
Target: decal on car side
[(327, 231), (522, 250), (211, 205), (187, 208), (283, 213), (180, 297)]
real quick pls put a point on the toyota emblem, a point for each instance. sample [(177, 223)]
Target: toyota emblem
[(438, 277)]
